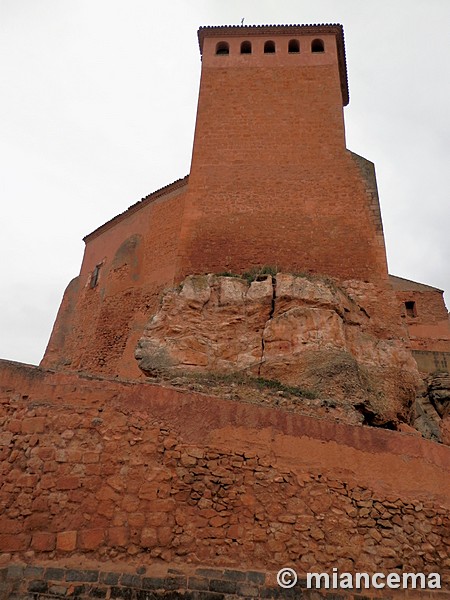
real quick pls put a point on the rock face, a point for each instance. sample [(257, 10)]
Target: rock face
[(431, 410), (299, 330)]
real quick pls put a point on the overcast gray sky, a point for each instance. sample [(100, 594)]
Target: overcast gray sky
[(98, 101)]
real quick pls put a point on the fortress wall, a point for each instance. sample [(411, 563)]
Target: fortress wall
[(98, 325), (123, 474), (430, 308), (299, 219), (429, 327)]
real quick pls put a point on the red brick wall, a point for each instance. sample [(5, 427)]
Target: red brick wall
[(97, 328), (271, 180), (429, 329), (97, 470)]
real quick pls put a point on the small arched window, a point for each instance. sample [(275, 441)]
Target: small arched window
[(223, 48), (246, 48), (269, 47), (317, 46), (294, 46)]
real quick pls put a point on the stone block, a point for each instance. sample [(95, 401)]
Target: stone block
[(43, 542), (90, 539), (66, 541), (82, 575)]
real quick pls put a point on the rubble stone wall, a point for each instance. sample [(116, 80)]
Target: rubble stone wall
[(133, 473)]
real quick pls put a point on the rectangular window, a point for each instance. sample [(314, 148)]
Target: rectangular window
[(94, 276), (410, 306)]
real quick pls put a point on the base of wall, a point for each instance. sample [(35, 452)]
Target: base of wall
[(19, 582)]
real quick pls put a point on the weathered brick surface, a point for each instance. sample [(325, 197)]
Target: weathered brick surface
[(429, 328), (97, 328)]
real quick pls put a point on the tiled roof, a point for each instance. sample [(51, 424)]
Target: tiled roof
[(167, 189), (320, 29), (399, 283)]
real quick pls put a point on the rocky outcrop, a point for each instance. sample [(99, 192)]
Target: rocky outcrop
[(431, 410), (300, 330)]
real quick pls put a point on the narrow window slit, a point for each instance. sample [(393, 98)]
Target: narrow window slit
[(410, 307)]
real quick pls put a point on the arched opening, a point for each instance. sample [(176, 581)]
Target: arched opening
[(269, 47), (223, 48), (317, 46), (246, 48), (294, 46)]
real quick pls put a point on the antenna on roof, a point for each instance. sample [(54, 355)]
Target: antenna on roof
[(242, 20)]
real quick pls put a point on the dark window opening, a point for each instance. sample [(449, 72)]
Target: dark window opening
[(246, 48), (94, 276), (317, 46), (223, 48), (294, 46), (269, 47), (410, 307)]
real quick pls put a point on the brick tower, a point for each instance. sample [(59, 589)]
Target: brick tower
[(271, 180), (271, 183)]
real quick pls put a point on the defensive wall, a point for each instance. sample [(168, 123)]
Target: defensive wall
[(424, 311), (141, 481)]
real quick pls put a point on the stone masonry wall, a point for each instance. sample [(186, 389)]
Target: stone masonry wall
[(108, 472)]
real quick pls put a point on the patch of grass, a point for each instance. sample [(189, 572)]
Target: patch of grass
[(294, 390), (228, 274), (257, 272), (256, 382), (253, 274)]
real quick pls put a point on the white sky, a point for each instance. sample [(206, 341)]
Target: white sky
[(98, 102)]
